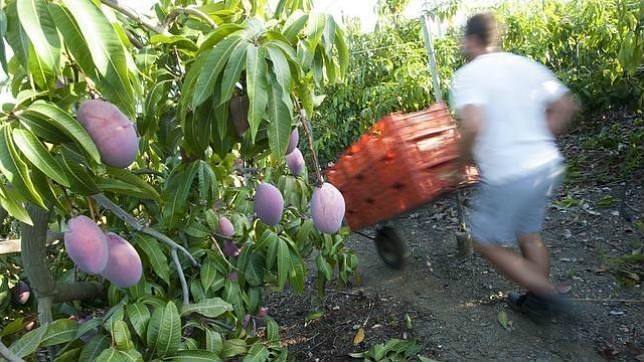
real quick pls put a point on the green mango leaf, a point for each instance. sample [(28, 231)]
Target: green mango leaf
[(16, 36), (78, 47), (135, 182), (41, 30), (207, 274), (29, 343), (3, 34), (94, 348), (272, 330), (214, 342), (80, 178), (12, 201), (257, 353), (89, 326), (211, 308), (279, 119), (315, 30), (164, 331), (294, 25), (14, 326), (123, 188), (58, 332), (156, 257), (70, 355), (179, 41), (233, 71), (328, 36), (121, 336), (39, 156), (343, 51), (115, 355), (42, 128), (212, 68), (324, 267), (106, 49), (175, 195), (233, 347), (218, 34), (257, 87), (66, 124), (207, 182), (195, 355), (283, 262), (282, 73), (15, 169), (196, 129)]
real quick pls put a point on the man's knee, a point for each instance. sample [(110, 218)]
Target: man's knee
[(532, 239)]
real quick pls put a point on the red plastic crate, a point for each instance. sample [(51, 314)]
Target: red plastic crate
[(402, 162)]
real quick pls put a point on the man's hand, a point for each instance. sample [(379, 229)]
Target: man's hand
[(559, 114)]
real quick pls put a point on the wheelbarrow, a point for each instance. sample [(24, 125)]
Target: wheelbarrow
[(403, 162)]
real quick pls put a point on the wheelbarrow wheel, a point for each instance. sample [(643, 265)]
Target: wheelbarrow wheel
[(391, 247)]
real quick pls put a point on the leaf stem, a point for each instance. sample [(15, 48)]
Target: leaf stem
[(106, 203), (182, 277), (134, 16)]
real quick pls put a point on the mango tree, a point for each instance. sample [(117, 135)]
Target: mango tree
[(141, 143)]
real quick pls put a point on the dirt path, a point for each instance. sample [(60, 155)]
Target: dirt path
[(454, 302)]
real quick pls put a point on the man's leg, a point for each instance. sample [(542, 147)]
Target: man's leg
[(523, 271), (534, 250)]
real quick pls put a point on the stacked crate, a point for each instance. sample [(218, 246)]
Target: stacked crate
[(402, 162)]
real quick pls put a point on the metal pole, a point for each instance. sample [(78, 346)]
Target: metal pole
[(432, 57)]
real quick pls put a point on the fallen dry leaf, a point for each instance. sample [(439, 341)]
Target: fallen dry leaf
[(502, 317), (359, 337)]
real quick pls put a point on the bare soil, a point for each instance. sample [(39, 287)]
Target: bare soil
[(454, 302)]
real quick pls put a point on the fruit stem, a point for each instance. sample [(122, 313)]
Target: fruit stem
[(106, 203), (182, 277), (309, 138)]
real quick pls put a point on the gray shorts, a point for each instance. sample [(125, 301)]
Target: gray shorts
[(502, 212)]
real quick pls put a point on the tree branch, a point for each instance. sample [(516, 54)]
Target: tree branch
[(182, 277), (66, 292), (169, 19), (8, 355), (309, 138), (106, 203), (134, 16)]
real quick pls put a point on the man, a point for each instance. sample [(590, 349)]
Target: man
[(510, 109)]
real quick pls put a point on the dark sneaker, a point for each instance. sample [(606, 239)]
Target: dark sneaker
[(539, 308)]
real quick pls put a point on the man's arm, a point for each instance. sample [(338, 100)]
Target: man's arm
[(471, 119), (560, 112)]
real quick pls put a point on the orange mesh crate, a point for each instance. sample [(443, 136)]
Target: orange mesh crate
[(402, 162)]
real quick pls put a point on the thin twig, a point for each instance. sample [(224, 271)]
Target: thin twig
[(134, 16), (607, 300), (222, 253), (8, 355), (189, 11), (182, 277), (309, 138), (106, 203)]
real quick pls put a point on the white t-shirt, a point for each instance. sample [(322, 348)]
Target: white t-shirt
[(514, 92)]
